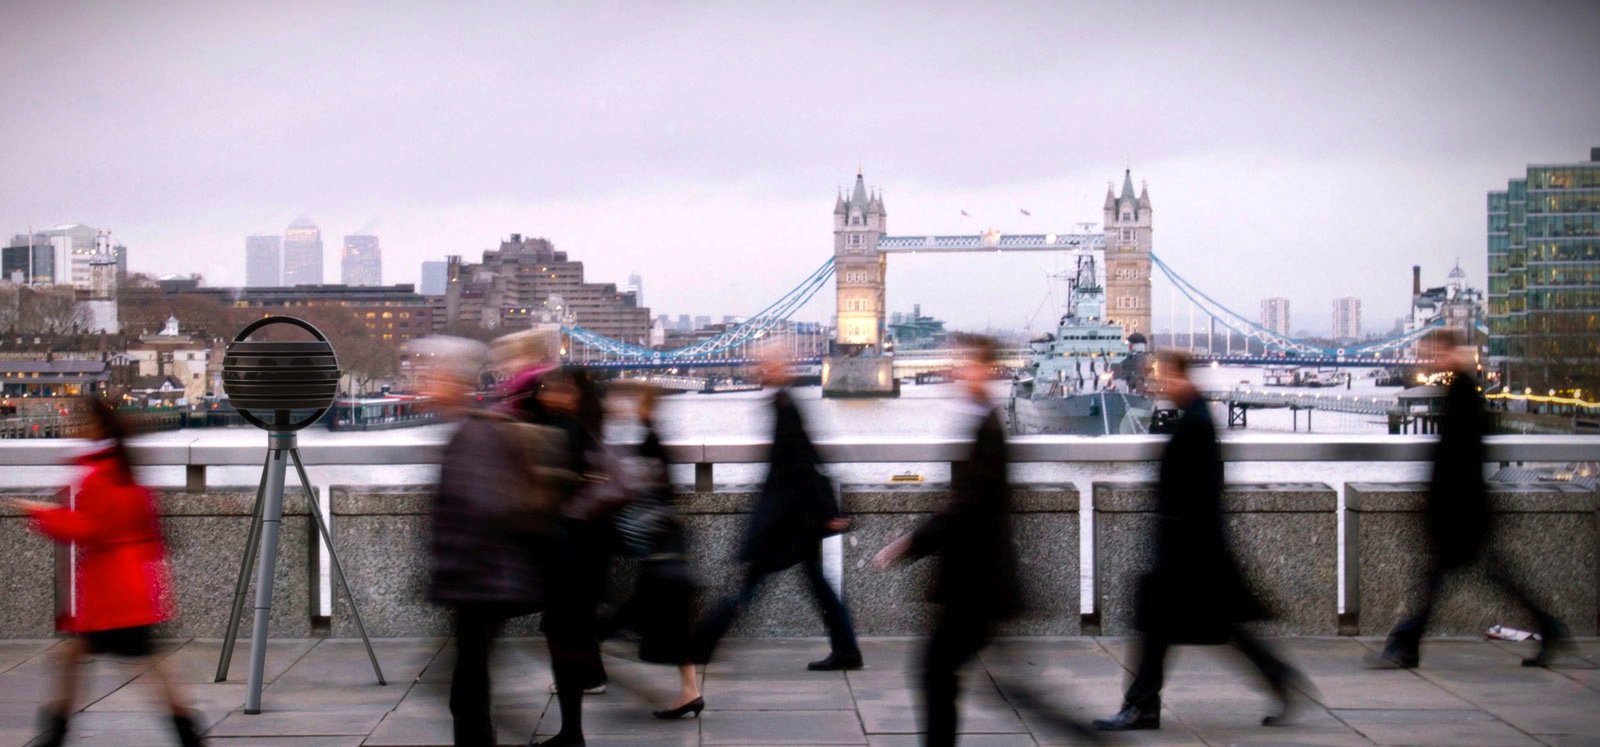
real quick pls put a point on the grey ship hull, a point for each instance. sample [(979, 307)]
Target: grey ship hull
[(1096, 414)]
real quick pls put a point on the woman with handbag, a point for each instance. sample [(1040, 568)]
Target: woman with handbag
[(661, 607), (576, 577)]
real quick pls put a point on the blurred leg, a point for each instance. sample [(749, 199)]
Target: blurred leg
[(721, 617), (1145, 691), (956, 638), (835, 616), (469, 683), (1405, 641)]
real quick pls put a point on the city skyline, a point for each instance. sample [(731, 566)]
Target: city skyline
[(1268, 168)]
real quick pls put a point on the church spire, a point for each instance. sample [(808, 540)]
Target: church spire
[(1127, 185), (858, 198)]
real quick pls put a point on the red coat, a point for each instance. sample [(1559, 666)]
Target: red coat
[(121, 576)]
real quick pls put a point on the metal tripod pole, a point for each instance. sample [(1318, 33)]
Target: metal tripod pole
[(333, 555), (280, 443), (252, 544)]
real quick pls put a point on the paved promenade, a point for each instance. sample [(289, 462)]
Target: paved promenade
[(321, 693)]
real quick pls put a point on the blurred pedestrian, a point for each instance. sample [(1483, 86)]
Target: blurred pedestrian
[(660, 610), (481, 563), (1194, 593), (976, 584), (1460, 524), (795, 510), (577, 576), (122, 588)]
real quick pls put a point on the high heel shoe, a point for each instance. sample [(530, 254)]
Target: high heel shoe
[(692, 707)]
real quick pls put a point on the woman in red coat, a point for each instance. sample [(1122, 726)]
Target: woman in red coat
[(121, 587)]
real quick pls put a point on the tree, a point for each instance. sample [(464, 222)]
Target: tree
[(51, 311), (9, 294)]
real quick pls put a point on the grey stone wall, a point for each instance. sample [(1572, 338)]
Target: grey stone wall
[(28, 584), (1546, 536), (893, 602), (1284, 536), (206, 535), (380, 533), (205, 538)]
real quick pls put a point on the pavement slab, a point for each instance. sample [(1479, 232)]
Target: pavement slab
[(321, 693)]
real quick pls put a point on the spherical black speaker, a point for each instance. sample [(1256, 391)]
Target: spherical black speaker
[(272, 378)]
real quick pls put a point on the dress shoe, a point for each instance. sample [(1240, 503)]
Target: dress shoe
[(559, 740), (1555, 647), (55, 729), (1130, 718), (691, 708), (599, 689), (837, 662)]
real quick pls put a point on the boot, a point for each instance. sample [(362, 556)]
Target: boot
[(55, 729), (188, 733), (1131, 718), (1555, 642)]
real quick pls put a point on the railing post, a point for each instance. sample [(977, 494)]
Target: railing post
[(702, 477), (194, 478)]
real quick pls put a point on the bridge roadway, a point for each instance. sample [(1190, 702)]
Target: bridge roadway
[(1345, 402)]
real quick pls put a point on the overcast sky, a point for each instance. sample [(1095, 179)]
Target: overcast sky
[(1308, 150)]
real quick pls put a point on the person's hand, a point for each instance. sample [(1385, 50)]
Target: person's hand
[(30, 505), (892, 553), (838, 525)]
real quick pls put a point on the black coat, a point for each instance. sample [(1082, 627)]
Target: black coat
[(972, 534), (1195, 592), (796, 501), (1458, 498), (474, 558)]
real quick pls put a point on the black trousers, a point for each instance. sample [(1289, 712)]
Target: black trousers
[(476, 627), (1406, 638), (1145, 691), (841, 633), (957, 637)]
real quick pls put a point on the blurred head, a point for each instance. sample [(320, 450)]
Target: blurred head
[(977, 357), (1171, 376), (557, 395), (647, 403), (448, 368), (520, 351), (1444, 349), (105, 424), (774, 366)]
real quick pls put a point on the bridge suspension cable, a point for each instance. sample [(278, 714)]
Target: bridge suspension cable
[(1253, 331), (751, 329)]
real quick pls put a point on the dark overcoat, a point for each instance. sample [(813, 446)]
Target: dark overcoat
[(796, 502), (972, 534), (1458, 498), (1195, 592), (474, 557)]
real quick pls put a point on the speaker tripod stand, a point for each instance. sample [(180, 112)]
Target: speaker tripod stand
[(265, 523)]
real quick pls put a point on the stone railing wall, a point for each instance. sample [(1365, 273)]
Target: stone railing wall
[(1285, 536)]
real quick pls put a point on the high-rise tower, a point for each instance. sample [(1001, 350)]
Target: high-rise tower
[(362, 261), (856, 365), (302, 253), (1127, 226)]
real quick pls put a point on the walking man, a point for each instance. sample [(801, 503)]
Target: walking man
[(1194, 593), (976, 585), (796, 509), (1459, 522)]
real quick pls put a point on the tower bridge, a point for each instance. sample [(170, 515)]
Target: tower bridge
[(858, 363)]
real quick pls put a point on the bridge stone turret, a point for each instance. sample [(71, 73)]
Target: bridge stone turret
[(1128, 247), (856, 364)]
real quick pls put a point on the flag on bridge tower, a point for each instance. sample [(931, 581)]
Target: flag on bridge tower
[(964, 213), (1024, 212)]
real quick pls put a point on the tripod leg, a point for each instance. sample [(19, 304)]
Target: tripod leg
[(251, 546), (333, 555), (266, 570)]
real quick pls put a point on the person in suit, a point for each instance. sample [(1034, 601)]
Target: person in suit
[(795, 510), (1194, 593), (1459, 519), (976, 585)]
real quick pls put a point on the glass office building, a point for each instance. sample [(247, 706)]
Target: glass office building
[(1544, 278)]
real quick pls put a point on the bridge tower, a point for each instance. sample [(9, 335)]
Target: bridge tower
[(1127, 226), (856, 364)]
